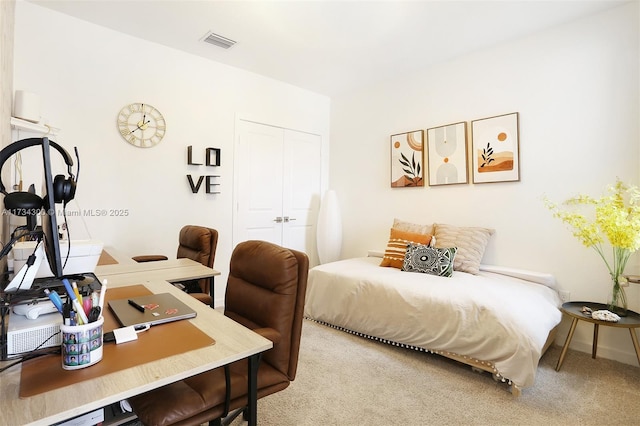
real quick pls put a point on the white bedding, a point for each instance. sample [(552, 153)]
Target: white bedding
[(490, 317)]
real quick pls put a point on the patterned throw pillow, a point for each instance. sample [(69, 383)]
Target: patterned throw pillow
[(397, 246), (434, 261)]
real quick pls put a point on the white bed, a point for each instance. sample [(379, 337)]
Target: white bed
[(500, 320)]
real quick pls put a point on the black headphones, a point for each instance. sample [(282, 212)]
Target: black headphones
[(23, 203)]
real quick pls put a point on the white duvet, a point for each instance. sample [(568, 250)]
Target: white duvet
[(490, 317)]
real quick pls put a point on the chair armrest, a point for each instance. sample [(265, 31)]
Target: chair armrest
[(269, 333), (149, 258)]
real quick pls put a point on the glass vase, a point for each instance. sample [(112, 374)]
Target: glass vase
[(618, 299)]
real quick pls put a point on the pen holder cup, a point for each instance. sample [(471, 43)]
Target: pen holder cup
[(82, 344)]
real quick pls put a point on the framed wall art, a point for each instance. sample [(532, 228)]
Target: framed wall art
[(495, 149), (407, 159), (447, 154)]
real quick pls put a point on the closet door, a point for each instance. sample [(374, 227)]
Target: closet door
[(278, 186), (301, 191), (259, 192)]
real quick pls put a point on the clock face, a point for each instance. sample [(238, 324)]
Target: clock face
[(141, 125)]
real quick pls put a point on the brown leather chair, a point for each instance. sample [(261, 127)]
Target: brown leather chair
[(265, 292), (196, 243)]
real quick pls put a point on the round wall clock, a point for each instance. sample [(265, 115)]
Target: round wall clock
[(141, 125)]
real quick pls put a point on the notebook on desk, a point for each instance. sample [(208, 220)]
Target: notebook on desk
[(157, 309)]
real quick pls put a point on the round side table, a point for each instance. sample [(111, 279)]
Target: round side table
[(574, 310)]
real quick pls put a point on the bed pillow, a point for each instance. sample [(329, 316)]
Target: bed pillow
[(402, 225), (470, 241), (429, 260), (397, 246)]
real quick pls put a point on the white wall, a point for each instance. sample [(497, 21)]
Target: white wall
[(576, 89), (85, 74)]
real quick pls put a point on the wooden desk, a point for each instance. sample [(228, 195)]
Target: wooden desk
[(573, 309), (233, 342), (173, 270), (111, 255), (159, 265)]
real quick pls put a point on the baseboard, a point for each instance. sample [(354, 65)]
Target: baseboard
[(614, 343), (607, 352)]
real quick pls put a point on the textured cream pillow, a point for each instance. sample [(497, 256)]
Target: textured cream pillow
[(402, 225), (471, 243), (397, 246)]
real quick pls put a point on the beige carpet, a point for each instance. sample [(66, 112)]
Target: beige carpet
[(349, 380)]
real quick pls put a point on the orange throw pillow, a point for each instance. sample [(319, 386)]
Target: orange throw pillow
[(397, 246)]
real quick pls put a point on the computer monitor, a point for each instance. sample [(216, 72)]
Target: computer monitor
[(49, 219)]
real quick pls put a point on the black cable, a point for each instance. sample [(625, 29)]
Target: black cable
[(6, 367), (34, 354), (7, 247), (46, 340), (77, 177), (30, 261), (66, 228)]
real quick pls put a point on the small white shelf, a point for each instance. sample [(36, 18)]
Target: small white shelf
[(19, 124)]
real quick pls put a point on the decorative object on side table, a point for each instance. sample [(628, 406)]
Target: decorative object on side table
[(598, 315), (617, 217)]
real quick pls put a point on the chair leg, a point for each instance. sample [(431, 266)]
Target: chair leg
[(227, 400), (227, 395), (212, 292), (231, 417)]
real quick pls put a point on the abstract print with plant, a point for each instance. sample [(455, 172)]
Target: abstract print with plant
[(486, 155), (491, 161), (406, 159)]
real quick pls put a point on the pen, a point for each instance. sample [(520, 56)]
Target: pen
[(94, 314), (86, 305), (135, 305), (55, 299), (77, 292), (97, 303), (94, 298), (103, 292), (66, 313), (75, 302)]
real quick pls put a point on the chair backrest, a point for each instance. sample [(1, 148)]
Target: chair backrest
[(266, 289), (198, 243)]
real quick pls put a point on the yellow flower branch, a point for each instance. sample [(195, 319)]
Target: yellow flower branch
[(616, 219)]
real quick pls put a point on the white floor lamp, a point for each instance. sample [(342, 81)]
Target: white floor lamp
[(329, 229)]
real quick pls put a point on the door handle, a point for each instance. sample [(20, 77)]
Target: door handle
[(289, 219), (278, 219)]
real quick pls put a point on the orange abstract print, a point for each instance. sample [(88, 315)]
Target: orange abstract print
[(407, 159)]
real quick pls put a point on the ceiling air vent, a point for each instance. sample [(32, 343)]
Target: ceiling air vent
[(218, 40)]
